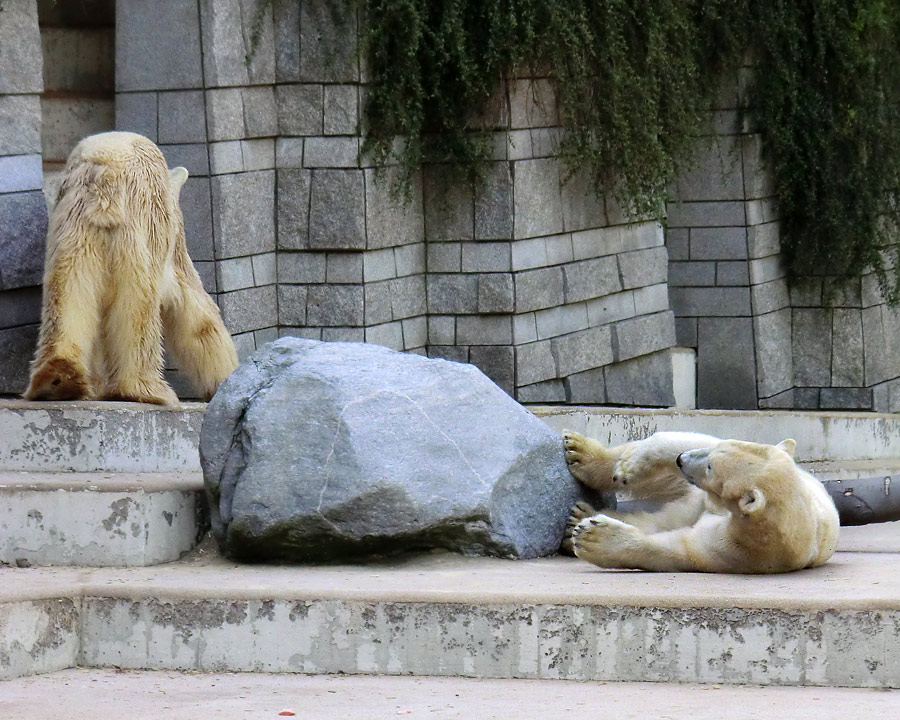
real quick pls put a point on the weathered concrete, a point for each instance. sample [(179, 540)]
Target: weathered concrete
[(90, 694), (98, 519), (39, 635), (441, 614), (89, 436), (820, 436)]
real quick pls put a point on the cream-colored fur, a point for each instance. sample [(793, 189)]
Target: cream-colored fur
[(777, 518), (639, 470), (117, 277)]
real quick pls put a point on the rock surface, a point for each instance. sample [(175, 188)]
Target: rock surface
[(321, 451)]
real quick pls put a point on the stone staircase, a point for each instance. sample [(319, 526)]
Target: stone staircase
[(99, 501)]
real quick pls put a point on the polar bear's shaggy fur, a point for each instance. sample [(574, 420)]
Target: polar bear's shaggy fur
[(118, 276), (771, 517)]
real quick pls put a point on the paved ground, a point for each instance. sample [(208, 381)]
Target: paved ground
[(81, 694)]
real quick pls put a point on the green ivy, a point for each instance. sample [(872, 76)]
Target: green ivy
[(634, 79)]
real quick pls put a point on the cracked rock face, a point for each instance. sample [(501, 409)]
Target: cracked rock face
[(325, 451)]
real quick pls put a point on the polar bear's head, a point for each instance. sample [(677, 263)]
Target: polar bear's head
[(743, 476)]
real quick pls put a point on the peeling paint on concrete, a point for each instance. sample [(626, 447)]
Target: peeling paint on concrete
[(39, 636)]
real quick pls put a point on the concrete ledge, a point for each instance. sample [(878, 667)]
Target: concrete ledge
[(441, 614), (820, 436)]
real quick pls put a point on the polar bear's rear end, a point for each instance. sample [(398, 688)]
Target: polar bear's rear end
[(117, 275)]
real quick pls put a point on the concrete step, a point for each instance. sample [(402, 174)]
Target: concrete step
[(163, 695), (439, 614), (99, 436), (98, 519)]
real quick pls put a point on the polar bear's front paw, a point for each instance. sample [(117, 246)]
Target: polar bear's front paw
[(579, 512), (599, 540)]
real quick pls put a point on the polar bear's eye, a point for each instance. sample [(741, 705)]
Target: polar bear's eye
[(709, 467)]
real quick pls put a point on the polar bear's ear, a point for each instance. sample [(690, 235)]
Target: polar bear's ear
[(752, 501), (177, 177), (788, 446)]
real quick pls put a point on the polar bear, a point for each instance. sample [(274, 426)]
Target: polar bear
[(777, 518), (117, 276), (639, 470)]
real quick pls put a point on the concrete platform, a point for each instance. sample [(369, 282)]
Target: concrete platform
[(443, 615), (82, 694)]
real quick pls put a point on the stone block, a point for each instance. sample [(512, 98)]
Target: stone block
[(341, 110), (714, 173), (286, 15), (538, 200), (534, 363), (582, 350), (194, 157), (643, 267), (848, 351), (733, 272), (774, 352), (495, 293), (651, 299), (243, 213), (678, 243), (23, 230), (759, 212), (306, 333), (611, 308), (484, 330), (378, 303), (812, 347), (582, 207), (886, 397), (158, 46), (549, 391), (529, 254), (337, 213), (196, 207), (561, 320), (559, 249), (302, 267), (767, 269), (344, 334), (415, 333), (769, 297), (764, 240), (845, 293), (410, 259), (245, 345), (379, 265), (231, 56), (686, 332), (407, 296), (264, 269), (250, 309), (260, 113), (335, 305), (452, 294), (726, 366), (20, 123), (712, 302), (389, 335), (881, 327), (289, 152), (524, 328), (206, 269), (806, 292), (448, 205), (494, 211), (705, 214), (518, 145), (545, 142), (225, 114), (182, 117), (18, 345), (643, 335), (591, 278), (444, 257), (692, 274), (719, 243), (498, 363), (454, 353), (586, 388), (235, 274), (787, 400), (536, 289), (390, 221), (645, 381), (329, 42), (21, 173), (20, 49), (299, 109), (226, 157), (441, 330), (617, 239), (333, 152), (532, 103), (258, 154), (344, 268), (486, 257), (845, 398), (759, 180), (293, 208), (21, 306)]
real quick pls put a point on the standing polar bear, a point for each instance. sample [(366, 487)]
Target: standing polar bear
[(762, 513), (117, 277)]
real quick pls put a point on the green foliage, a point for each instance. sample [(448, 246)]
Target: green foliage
[(633, 79)]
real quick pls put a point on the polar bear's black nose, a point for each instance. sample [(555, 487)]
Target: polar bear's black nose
[(678, 461)]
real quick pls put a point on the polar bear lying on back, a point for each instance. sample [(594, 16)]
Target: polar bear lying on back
[(761, 513)]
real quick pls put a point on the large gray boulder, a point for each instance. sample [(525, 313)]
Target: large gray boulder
[(323, 451)]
